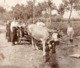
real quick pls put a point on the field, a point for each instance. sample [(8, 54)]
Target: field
[(64, 25), (24, 56)]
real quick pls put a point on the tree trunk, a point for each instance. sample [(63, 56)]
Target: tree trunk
[(50, 17), (70, 14), (61, 19), (33, 11)]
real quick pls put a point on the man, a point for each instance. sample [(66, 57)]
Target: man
[(8, 31), (70, 33), (52, 52), (54, 40), (13, 28)]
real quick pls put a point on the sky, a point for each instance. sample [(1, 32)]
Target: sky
[(14, 2), (9, 3)]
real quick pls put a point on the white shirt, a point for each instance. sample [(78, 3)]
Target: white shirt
[(55, 36), (70, 30), (13, 24)]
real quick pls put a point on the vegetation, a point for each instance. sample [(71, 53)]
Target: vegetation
[(25, 12)]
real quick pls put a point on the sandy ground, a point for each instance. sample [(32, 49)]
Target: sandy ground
[(24, 56)]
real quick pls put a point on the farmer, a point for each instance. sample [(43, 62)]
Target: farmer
[(52, 54), (8, 32), (70, 33), (13, 28)]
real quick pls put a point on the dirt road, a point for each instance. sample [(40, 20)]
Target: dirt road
[(24, 56), (21, 56)]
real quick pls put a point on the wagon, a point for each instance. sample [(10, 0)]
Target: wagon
[(23, 36)]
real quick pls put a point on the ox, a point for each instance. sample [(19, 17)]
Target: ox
[(39, 33)]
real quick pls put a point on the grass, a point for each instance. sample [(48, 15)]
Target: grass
[(64, 25)]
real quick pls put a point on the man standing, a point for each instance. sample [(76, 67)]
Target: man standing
[(8, 31), (70, 33), (52, 54), (13, 28)]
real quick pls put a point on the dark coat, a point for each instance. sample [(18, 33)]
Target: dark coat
[(8, 32)]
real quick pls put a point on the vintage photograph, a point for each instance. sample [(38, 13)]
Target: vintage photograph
[(39, 33)]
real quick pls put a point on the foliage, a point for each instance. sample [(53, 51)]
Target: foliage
[(2, 10), (25, 12), (70, 5)]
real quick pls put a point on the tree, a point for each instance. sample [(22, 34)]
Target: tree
[(2, 10), (2, 13), (70, 5), (47, 6), (26, 12), (18, 11), (61, 11)]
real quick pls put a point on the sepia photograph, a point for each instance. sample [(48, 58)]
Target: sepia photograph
[(39, 34)]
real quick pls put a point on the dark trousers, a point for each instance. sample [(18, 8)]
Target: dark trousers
[(53, 45), (53, 58), (14, 35)]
